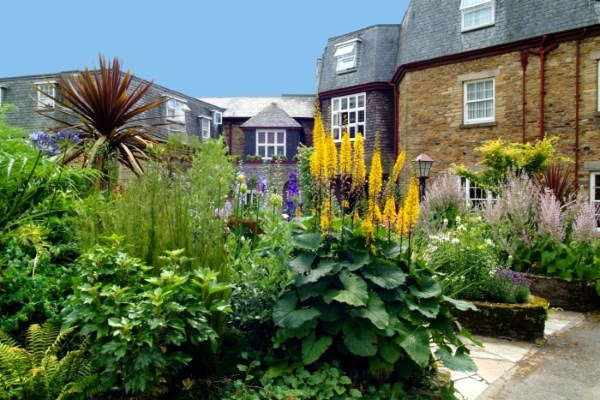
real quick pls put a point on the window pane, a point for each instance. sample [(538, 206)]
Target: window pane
[(270, 151), (352, 119), (361, 116), (261, 137), (336, 134), (271, 137), (280, 137), (352, 102), (361, 100), (344, 103), (336, 104)]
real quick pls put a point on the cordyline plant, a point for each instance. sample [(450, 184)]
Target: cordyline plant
[(107, 109)]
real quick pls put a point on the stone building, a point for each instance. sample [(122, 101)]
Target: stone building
[(466, 71)]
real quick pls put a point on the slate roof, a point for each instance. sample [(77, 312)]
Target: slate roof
[(271, 117), (296, 106), (376, 58), (432, 28)]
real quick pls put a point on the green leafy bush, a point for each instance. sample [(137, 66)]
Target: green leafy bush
[(142, 327), (372, 309)]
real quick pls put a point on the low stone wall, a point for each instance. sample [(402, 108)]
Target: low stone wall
[(507, 321), (571, 296)]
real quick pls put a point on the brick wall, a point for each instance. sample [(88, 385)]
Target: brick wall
[(431, 106)]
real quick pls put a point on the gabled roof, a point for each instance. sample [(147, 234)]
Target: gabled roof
[(271, 117), (432, 28), (376, 58), (296, 106)]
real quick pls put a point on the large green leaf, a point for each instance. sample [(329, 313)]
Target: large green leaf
[(460, 305), (374, 312), (286, 315), (385, 275), (312, 275), (460, 362), (427, 307), (389, 350), (315, 290), (313, 348), (354, 293), (357, 260), (416, 345), (429, 288), (308, 241), (360, 340), (302, 263), (380, 369)]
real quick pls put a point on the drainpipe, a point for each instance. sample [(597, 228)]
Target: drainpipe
[(230, 138), (396, 118), (577, 100), (542, 51), (524, 59)]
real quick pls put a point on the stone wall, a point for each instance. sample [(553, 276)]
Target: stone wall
[(431, 106)]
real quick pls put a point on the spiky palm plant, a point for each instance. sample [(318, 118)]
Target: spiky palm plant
[(108, 111), (46, 368)]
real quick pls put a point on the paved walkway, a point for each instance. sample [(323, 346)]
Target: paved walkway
[(565, 366)]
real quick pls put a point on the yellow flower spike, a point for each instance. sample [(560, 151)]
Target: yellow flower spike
[(359, 170), (375, 177), (397, 167), (389, 212), (346, 154), (325, 216), (368, 229), (355, 217), (316, 159), (410, 210), (332, 160)]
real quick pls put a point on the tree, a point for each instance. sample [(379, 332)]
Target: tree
[(107, 109)]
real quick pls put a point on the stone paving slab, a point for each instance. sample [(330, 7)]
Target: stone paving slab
[(498, 358)]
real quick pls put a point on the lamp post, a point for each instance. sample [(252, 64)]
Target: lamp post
[(424, 163)]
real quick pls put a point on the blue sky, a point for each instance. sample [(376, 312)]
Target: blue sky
[(201, 48)]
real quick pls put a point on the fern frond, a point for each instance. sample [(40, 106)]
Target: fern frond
[(8, 340)]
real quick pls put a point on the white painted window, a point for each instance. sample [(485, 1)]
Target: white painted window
[(270, 143), (348, 113), (474, 195), (477, 13), (205, 128), (176, 111), (45, 89), (217, 117), (595, 194), (345, 55), (2, 90), (480, 101)]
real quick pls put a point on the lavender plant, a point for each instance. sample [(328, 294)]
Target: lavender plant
[(443, 202)]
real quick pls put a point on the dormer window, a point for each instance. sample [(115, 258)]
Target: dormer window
[(176, 111), (345, 55), (217, 117), (477, 14), (46, 90)]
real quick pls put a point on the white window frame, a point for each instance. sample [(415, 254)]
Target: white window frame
[(471, 9), (595, 200), (205, 127), (475, 197), (43, 101), (262, 147), (217, 117), (2, 90), (176, 110), (346, 55), (349, 113), (468, 102)]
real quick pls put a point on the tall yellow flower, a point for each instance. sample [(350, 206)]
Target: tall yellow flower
[(346, 154), (389, 211), (359, 169), (397, 167), (375, 177), (316, 158), (410, 210), (368, 229), (326, 212), (332, 159)]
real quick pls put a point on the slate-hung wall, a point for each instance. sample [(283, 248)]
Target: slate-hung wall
[(379, 121), (431, 105), (21, 92)]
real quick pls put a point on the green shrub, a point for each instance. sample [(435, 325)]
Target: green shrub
[(373, 309), (142, 327)]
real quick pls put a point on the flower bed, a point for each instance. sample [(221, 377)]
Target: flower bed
[(575, 295), (507, 321)]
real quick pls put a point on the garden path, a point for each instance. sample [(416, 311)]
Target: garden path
[(565, 366)]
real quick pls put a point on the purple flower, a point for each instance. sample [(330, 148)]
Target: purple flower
[(262, 183), (292, 194), (517, 278), (44, 143), (66, 138)]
